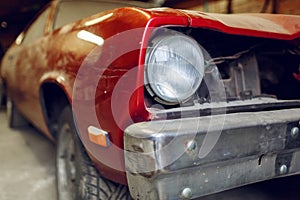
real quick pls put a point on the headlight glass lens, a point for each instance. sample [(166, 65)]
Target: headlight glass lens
[(174, 68)]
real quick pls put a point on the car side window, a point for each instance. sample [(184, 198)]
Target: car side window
[(71, 11), (37, 28)]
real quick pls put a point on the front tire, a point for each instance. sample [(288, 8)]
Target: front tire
[(77, 178)]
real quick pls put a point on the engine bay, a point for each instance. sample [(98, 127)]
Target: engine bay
[(252, 73)]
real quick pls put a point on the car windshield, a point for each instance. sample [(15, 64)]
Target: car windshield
[(71, 11)]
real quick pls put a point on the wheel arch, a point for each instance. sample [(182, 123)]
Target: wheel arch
[(54, 97)]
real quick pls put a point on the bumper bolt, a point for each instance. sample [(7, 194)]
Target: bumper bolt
[(186, 193), (283, 169), (191, 148), (295, 132)]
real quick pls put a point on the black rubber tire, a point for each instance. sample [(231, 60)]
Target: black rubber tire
[(2, 95), (85, 183), (14, 118)]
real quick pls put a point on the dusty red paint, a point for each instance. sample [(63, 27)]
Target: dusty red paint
[(57, 57), (285, 27)]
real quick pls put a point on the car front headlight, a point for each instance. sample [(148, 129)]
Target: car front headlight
[(174, 67)]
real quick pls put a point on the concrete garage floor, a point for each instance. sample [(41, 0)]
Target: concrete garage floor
[(27, 171), (27, 162)]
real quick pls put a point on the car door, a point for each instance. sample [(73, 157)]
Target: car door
[(25, 63)]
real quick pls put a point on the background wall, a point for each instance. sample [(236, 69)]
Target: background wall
[(242, 6), (14, 16)]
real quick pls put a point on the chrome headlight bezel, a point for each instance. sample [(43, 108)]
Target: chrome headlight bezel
[(173, 53)]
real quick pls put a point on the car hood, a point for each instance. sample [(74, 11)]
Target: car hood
[(258, 25)]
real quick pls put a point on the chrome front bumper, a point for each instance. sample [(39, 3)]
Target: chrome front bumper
[(192, 157)]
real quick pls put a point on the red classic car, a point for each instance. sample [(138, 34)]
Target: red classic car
[(158, 103)]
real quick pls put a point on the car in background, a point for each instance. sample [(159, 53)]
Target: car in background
[(158, 103)]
